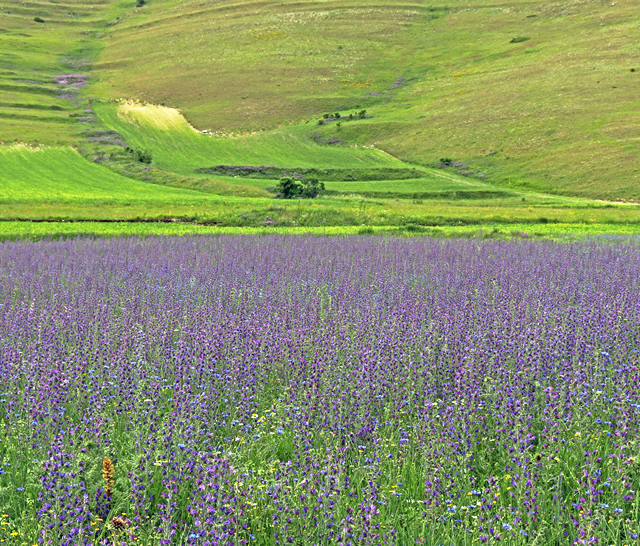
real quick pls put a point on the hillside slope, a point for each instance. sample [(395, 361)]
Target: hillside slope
[(46, 51), (537, 94)]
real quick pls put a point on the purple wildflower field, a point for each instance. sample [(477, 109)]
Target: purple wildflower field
[(308, 390)]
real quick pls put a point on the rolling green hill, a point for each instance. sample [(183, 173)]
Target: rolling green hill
[(410, 112), (540, 94)]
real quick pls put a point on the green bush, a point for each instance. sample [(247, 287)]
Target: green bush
[(414, 228), (141, 156), (290, 188), (311, 188)]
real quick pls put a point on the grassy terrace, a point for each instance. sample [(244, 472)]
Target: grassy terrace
[(46, 53)]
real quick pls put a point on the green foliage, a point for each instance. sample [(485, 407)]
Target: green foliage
[(414, 228), (519, 39), (311, 188), (290, 188), (38, 20), (141, 156), (366, 230)]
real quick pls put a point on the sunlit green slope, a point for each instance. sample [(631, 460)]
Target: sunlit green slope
[(178, 146), (60, 175)]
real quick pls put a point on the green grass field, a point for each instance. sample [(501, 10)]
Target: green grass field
[(53, 183), (35, 231), (58, 183), (61, 175), (178, 147)]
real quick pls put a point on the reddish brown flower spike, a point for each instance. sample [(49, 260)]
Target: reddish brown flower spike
[(108, 474)]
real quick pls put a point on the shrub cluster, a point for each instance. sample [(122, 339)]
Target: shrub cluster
[(290, 188), (338, 116), (141, 156)]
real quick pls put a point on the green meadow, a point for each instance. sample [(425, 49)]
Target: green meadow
[(61, 175), (176, 146), (35, 231)]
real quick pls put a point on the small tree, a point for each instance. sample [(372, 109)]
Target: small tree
[(311, 187), (288, 188)]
